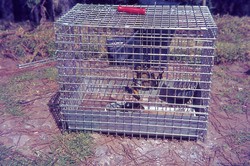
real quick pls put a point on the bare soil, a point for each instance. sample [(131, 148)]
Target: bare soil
[(34, 129)]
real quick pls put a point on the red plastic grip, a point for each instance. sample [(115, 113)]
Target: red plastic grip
[(131, 10)]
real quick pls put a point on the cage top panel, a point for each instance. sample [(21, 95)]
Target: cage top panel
[(156, 17)]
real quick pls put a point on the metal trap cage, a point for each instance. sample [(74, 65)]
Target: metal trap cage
[(145, 74)]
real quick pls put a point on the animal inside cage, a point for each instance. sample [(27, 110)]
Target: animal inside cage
[(138, 74)]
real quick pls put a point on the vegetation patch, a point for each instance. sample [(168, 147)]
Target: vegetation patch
[(67, 149), (241, 137), (233, 39), (74, 148), (237, 101), (25, 45), (11, 105), (9, 157), (11, 93)]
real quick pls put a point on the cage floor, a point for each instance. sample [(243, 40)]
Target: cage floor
[(134, 123)]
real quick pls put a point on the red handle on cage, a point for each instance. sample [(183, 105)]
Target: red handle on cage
[(131, 10)]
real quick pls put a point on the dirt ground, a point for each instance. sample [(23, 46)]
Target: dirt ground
[(227, 142)]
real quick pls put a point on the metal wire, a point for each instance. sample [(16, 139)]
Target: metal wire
[(159, 17), (138, 75)]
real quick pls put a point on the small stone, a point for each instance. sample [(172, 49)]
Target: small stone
[(240, 89)]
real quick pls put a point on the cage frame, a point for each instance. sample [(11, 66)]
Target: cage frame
[(195, 26)]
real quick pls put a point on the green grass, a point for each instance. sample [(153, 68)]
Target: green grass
[(241, 137), (11, 105), (232, 90), (74, 148), (11, 157), (66, 150), (243, 96), (50, 73), (233, 108), (28, 76), (233, 39), (239, 144), (50, 48), (29, 46), (228, 52), (10, 91), (238, 103)]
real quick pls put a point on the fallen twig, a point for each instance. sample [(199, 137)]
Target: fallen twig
[(40, 62)]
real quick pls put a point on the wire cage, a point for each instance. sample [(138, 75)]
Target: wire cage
[(145, 75)]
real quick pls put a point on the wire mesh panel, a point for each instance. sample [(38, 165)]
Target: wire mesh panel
[(138, 75)]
